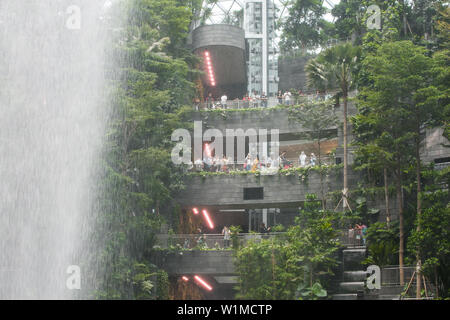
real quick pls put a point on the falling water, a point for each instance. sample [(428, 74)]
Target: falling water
[(52, 122)]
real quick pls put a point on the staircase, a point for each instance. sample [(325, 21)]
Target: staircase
[(353, 278)]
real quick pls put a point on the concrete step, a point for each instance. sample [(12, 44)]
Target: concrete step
[(352, 259), (388, 297), (394, 290), (354, 253), (356, 248), (351, 287), (350, 276), (345, 296)]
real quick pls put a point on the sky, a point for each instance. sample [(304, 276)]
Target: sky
[(329, 4)]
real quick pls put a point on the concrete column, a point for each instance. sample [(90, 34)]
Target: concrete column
[(265, 48)]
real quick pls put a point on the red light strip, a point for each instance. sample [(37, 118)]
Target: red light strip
[(210, 69), (207, 150), (195, 210), (205, 213), (203, 283), (185, 278)]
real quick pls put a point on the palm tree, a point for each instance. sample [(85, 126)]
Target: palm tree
[(336, 68)]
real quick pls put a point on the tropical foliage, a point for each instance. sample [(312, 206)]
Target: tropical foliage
[(150, 80), (294, 265)]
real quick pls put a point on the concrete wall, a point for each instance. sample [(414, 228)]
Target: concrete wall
[(291, 72), (434, 146), (218, 35), (258, 119), (280, 191), (227, 191), (226, 47), (218, 262)]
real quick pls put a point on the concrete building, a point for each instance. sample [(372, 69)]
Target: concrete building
[(256, 20), (247, 200)]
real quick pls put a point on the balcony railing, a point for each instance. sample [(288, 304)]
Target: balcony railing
[(262, 168), (259, 103), (190, 241)]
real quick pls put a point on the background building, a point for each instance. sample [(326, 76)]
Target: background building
[(257, 20)]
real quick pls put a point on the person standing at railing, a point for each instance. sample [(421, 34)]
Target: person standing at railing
[(312, 160), (280, 97), (364, 233), (269, 162), (223, 100), (226, 237), (284, 162), (255, 165), (264, 100), (263, 228), (201, 240), (225, 164), (302, 159), (210, 101), (198, 164), (287, 98), (246, 101), (215, 164), (275, 161), (197, 104), (253, 99), (262, 163), (358, 233), (207, 163), (351, 235)]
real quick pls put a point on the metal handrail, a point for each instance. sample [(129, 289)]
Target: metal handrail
[(269, 102), (189, 241)]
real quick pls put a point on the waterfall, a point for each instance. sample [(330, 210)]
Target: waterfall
[(52, 123)]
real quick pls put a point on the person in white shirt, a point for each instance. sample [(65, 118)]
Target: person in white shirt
[(313, 159), (302, 159), (226, 236), (198, 164), (287, 98), (224, 100), (190, 165)]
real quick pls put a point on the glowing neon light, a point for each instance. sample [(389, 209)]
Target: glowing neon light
[(195, 210), (203, 283), (185, 278), (206, 215), (207, 150), (210, 69)]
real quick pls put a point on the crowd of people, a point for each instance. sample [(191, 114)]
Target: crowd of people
[(357, 234), (252, 100), (251, 163), (255, 100)]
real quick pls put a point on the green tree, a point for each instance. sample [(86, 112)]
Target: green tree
[(319, 119), (336, 67), (299, 262), (150, 81), (404, 97), (433, 236), (305, 26)]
